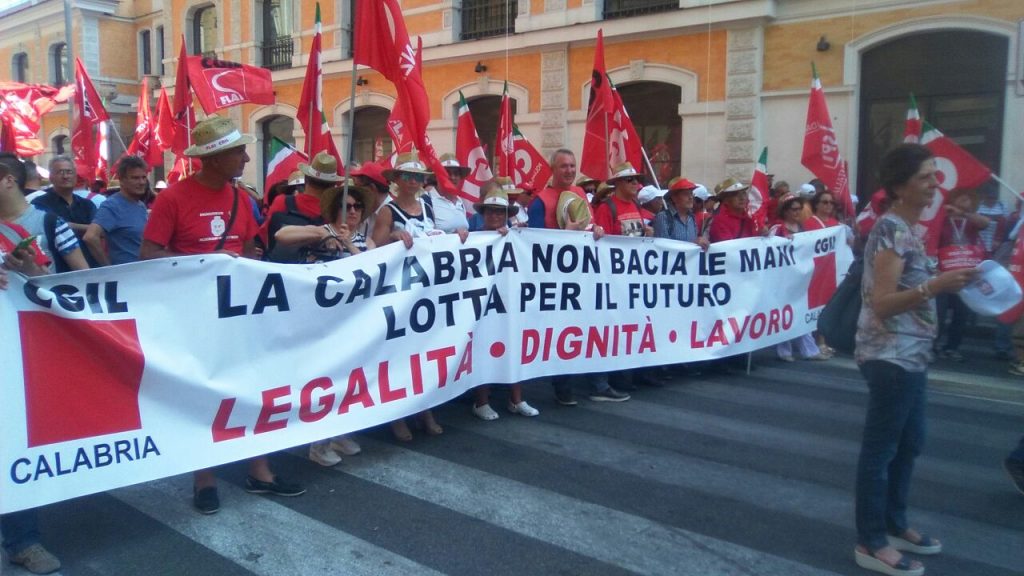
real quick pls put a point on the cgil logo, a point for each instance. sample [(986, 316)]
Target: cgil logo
[(82, 377)]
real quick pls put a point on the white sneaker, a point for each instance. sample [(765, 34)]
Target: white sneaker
[(485, 412), (523, 409), (345, 445), (321, 453)]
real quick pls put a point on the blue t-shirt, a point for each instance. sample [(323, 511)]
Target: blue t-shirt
[(123, 221)]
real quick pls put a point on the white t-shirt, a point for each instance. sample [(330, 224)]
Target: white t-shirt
[(448, 216)]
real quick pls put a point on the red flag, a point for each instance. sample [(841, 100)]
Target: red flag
[(183, 167), (88, 113), (529, 165), (470, 153), (821, 150), (284, 159), (21, 109), (220, 84), (912, 126), (758, 207), (594, 161), (311, 105), (398, 128), (957, 167), (378, 149), (504, 146), (8, 140), (102, 152), (623, 142), (184, 112), (382, 43), (163, 127), (144, 143)]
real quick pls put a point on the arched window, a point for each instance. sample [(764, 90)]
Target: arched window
[(59, 72), (965, 102), (653, 108), (59, 144), (204, 31), (485, 111), (19, 67), (370, 124), (280, 127)]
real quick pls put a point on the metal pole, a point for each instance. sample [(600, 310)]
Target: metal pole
[(650, 166), (1008, 187), (71, 58), (351, 127)]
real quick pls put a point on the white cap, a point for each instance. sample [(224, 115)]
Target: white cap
[(993, 291), (701, 192), (807, 189), (160, 185), (648, 193)]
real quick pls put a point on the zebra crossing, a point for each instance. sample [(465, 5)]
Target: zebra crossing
[(711, 475)]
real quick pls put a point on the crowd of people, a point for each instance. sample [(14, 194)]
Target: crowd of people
[(316, 215)]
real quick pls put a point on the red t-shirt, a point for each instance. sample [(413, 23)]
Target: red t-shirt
[(815, 223), (967, 236), (727, 225), (7, 246), (306, 203), (628, 219), (189, 218)]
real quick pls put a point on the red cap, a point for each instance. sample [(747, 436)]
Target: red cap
[(681, 184), (373, 171)]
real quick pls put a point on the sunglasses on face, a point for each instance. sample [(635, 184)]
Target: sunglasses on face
[(631, 180), (413, 177), (353, 206)]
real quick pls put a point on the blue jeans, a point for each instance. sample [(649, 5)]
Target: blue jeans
[(894, 432), (20, 530), (1018, 454)]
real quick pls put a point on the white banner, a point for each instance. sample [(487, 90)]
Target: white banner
[(132, 373)]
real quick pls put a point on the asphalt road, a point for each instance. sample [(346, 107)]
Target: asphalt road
[(709, 475)]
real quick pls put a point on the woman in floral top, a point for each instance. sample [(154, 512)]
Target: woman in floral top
[(895, 332)]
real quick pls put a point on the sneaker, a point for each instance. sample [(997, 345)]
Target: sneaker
[(206, 500), (485, 412), (565, 398), (1015, 468), (523, 409), (278, 487), (787, 358), (323, 454), (1017, 368), (36, 560), (345, 445), (609, 394)]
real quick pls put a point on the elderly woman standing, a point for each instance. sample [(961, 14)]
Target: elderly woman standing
[(895, 331), (790, 211)]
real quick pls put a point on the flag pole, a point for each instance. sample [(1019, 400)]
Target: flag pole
[(1008, 187), (650, 167), (351, 123)]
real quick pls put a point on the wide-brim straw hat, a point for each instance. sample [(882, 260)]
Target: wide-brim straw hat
[(331, 199), (214, 135), (323, 167), (498, 198), (624, 170), (296, 178), (450, 162), (408, 163), (730, 186), (583, 180)]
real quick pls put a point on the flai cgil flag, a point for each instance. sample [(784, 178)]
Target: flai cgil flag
[(624, 143), (471, 153), (594, 161), (88, 114), (530, 166), (219, 83), (821, 148), (21, 110), (182, 110), (144, 142)]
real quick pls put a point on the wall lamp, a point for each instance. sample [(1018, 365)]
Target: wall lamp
[(823, 45), (360, 81), (480, 68)]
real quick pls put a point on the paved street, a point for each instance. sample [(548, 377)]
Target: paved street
[(710, 475)]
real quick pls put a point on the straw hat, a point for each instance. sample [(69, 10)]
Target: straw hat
[(499, 197), (215, 134), (330, 201), (296, 179), (729, 186), (323, 167), (450, 162), (583, 180), (409, 163), (624, 170)]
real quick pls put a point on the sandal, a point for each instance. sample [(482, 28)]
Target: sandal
[(426, 419), (925, 544), (905, 567), (400, 430)]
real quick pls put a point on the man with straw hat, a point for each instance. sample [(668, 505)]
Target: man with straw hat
[(204, 214), (301, 208), (620, 214), (732, 221)]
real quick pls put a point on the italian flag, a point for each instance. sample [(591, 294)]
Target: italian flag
[(758, 207), (912, 126), (284, 159)]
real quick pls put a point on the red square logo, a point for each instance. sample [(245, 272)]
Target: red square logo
[(82, 377), (823, 281)]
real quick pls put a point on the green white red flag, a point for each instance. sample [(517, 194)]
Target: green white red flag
[(821, 149), (758, 207), (912, 125), (284, 159), (470, 153)]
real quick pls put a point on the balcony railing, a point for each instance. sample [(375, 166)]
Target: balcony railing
[(483, 18), (277, 53), (624, 8)]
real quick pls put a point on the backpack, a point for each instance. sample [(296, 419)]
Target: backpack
[(837, 322), (291, 216)]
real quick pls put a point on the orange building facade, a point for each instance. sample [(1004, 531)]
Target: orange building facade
[(708, 82)]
